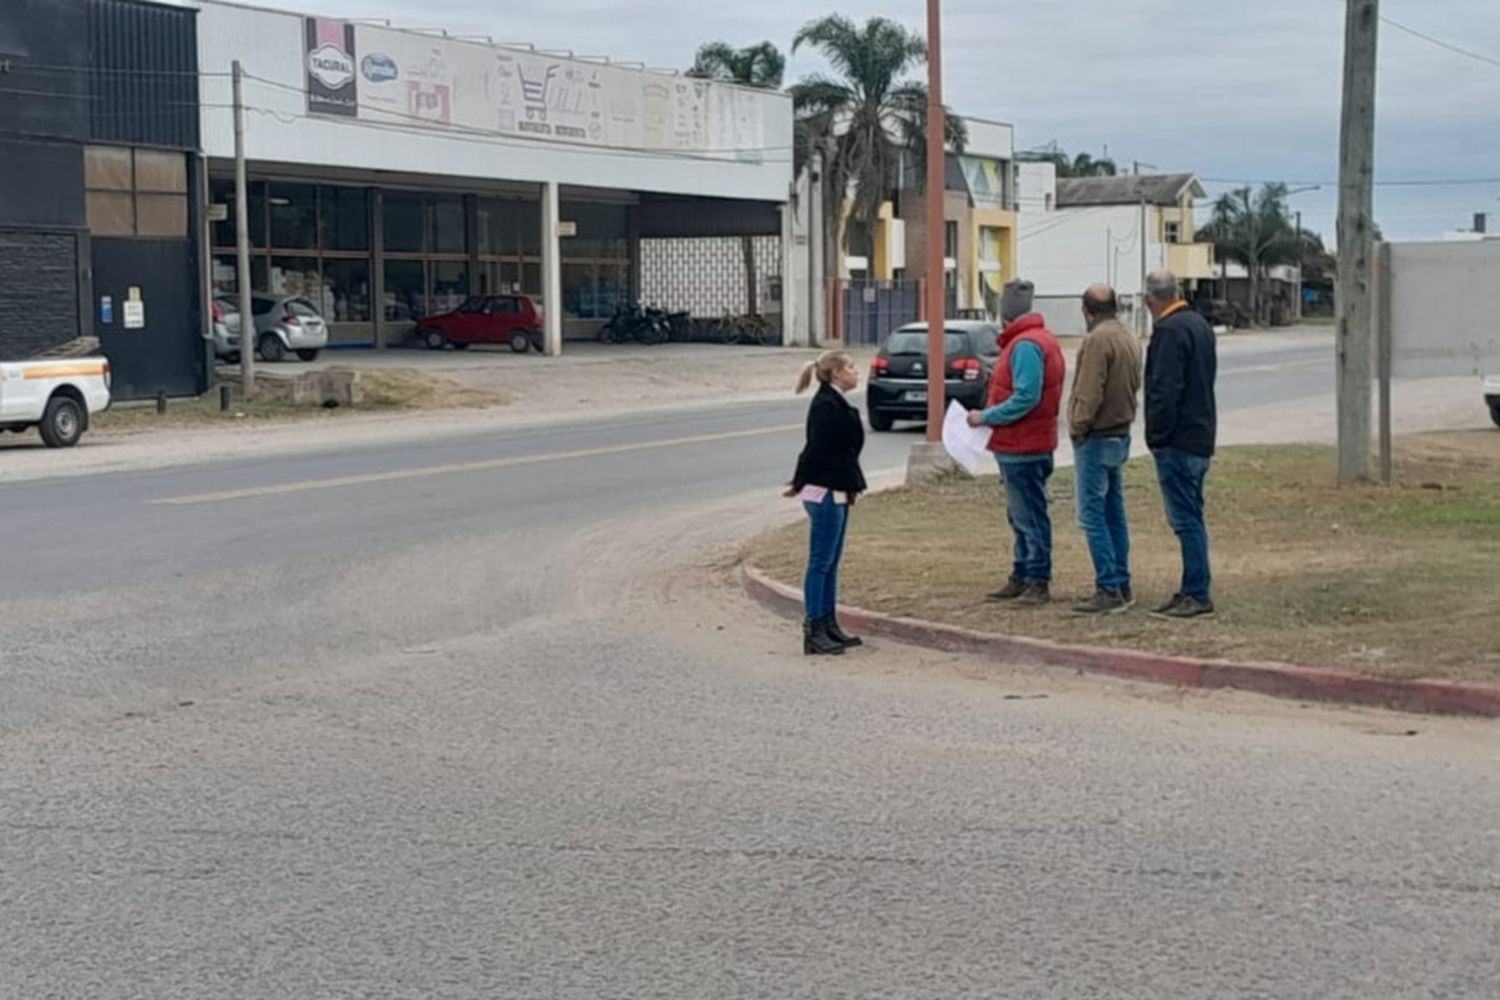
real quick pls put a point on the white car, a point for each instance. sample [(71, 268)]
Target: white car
[(1492, 397), (284, 324), (56, 397)]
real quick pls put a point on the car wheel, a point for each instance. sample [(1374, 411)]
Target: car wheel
[(881, 422), (62, 422), (308, 354), (270, 348), (434, 339), (520, 341)]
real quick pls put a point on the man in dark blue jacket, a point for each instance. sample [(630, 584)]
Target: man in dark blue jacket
[(1181, 427)]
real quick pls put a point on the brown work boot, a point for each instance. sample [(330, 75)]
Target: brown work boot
[(1036, 595), (1013, 589)]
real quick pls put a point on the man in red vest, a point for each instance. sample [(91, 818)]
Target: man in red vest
[(1024, 400)]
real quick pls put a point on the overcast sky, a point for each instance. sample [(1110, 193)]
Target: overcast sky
[(1227, 90)]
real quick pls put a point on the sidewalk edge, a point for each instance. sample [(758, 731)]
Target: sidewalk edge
[(1279, 680)]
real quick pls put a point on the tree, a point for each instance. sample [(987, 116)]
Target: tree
[(1082, 165), (1254, 229), (865, 118), (760, 66)]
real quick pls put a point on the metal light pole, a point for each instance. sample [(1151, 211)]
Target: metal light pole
[(937, 362)]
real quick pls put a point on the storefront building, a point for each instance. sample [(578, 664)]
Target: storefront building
[(395, 173)]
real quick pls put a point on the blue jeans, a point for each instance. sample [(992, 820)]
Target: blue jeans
[(1181, 475), (820, 587), (1025, 484), (1099, 468)]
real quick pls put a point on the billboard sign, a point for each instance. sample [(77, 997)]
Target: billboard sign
[(410, 79), (332, 84)]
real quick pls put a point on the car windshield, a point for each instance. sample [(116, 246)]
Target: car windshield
[(915, 342)]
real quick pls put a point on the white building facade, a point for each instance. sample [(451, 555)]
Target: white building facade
[(393, 173)]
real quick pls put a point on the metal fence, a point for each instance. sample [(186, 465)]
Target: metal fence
[(872, 309)]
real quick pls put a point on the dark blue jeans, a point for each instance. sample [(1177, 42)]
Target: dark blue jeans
[(820, 587), (1181, 475), (1026, 509), (1099, 468)]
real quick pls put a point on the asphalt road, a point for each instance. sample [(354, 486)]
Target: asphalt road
[(481, 718)]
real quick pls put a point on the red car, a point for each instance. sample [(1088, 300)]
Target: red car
[(486, 319)]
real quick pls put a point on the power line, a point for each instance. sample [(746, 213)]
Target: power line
[(1440, 43), (1431, 182)]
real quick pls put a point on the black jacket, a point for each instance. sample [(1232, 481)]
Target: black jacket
[(1181, 365), (835, 437)]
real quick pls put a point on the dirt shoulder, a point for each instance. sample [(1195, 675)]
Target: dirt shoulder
[(1395, 582)]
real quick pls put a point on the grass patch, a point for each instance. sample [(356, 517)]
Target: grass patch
[(1399, 581), (382, 391)]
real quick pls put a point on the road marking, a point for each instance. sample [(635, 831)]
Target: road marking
[(394, 475)]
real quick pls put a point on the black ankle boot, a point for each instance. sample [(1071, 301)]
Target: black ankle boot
[(817, 642), (837, 634)]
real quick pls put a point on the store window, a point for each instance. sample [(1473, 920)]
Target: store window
[(499, 227), (297, 276), (497, 276), (450, 285), (449, 225), (405, 291), (294, 216), (226, 275), (346, 286), (344, 218), (402, 218), (221, 190)]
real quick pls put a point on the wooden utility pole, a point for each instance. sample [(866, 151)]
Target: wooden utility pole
[(937, 361), (242, 237), (1356, 228)]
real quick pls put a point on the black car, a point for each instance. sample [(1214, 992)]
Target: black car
[(898, 378)]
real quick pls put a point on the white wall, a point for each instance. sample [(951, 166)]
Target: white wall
[(1036, 186), (1064, 252), (271, 45)]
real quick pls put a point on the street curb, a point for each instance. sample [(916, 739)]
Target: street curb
[(1279, 680)]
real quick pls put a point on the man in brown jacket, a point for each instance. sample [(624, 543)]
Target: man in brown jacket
[(1106, 383)]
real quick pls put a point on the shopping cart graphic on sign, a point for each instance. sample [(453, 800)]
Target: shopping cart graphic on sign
[(534, 93)]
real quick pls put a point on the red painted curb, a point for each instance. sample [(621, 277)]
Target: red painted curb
[(1280, 680)]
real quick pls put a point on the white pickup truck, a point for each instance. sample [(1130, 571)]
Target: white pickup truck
[(56, 397)]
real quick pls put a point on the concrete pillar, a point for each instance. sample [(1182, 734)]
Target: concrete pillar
[(552, 307), (790, 314)]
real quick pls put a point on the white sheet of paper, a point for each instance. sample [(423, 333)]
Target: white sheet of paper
[(968, 446)]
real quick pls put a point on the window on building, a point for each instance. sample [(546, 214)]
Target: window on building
[(405, 291), (347, 288), (950, 239), (450, 285), (135, 192), (1173, 231), (402, 218), (449, 225), (344, 218), (294, 216)]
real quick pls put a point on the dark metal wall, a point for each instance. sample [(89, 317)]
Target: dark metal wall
[(143, 74), (664, 217), (75, 73)]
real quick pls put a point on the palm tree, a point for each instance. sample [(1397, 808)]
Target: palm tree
[(866, 118), (1256, 230), (761, 66), (1084, 165)]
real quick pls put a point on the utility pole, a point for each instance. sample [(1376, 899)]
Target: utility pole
[(242, 237), (937, 360), (1355, 238), (1301, 258)]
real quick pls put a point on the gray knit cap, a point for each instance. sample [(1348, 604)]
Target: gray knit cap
[(1015, 301)]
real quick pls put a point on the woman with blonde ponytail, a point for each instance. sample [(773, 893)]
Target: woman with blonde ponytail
[(828, 480)]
